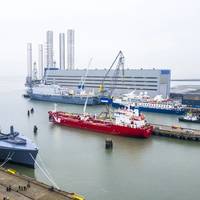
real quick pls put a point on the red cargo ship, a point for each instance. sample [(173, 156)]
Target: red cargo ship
[(123, 123)]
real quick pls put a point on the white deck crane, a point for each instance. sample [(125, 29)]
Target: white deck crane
[(81, 86)]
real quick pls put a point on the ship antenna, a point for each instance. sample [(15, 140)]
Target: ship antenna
[(55, 107)]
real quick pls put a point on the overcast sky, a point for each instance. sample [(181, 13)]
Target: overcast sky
[(151, 33)]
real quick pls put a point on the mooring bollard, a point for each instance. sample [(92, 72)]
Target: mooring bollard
[(35, 128)]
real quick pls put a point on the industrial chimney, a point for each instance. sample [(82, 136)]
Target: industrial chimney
[(40, 62)]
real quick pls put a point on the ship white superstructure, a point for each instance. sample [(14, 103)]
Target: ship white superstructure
[(53, 89)]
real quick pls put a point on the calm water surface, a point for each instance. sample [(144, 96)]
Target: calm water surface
[(140, 169)]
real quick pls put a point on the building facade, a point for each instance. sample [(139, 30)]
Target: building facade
[(188, 94), (153, 81)]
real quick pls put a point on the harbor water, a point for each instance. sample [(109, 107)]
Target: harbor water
[(140, 169)]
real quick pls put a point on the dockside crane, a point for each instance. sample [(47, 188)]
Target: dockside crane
[(106, 98), (119, 61)]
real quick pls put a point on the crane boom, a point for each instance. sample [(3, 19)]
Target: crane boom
[(120, 65)]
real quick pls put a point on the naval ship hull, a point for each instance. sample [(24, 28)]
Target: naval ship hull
[(78, 100), (19, 156)]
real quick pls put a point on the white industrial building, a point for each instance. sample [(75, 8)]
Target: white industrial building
[(153, 81)]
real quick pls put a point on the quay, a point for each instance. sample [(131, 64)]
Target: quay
[(176, 132), (193, 110), (16, 186)]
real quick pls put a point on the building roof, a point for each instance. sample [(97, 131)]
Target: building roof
[(186, 89)]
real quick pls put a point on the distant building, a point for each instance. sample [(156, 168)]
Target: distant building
[(40, 62), (70, 49), (188, 94), (49, 49), (62, 50), (153, 81)]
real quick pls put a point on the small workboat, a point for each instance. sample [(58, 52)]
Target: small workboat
[(190, 117)]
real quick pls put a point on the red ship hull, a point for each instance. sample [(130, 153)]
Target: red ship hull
[(96, 125)]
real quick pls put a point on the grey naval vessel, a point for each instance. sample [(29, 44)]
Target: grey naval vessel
[(16, 148)]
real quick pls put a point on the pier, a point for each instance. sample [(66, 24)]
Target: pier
[(191, 109), (176, 132), (15, 186)]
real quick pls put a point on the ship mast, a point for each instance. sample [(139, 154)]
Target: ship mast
[(85, 105), (119, 63), (82, 85)]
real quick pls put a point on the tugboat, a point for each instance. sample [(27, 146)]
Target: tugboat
[(26, 95), (16, 148), (124, 122), (190, 117)]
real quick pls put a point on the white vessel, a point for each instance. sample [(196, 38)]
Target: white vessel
[(58, 94), (145, 103)]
